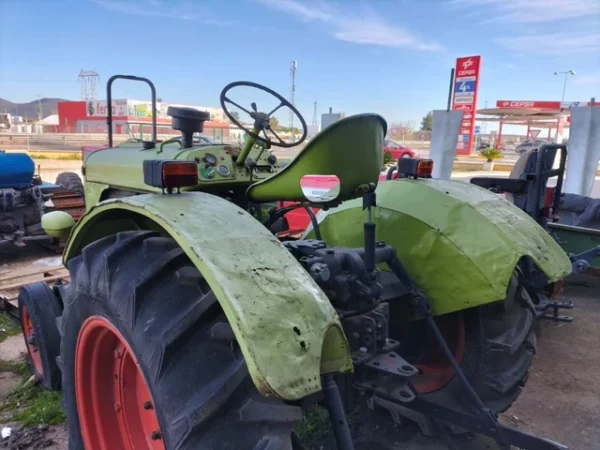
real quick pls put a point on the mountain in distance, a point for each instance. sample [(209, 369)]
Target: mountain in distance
[(31, 110)]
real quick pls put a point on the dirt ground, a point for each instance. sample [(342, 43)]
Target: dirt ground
[(560, 402)]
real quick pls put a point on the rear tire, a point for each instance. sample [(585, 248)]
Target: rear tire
[(500, 346), (496, 354), (70, 181), (157, 300), (38, 309)]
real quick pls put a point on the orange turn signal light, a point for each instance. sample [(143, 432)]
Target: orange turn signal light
[(170, 175), (415, 168), (179, 174), (425, 168)]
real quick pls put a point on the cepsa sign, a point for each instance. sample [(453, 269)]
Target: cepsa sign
[(539, 104), (466, 85)]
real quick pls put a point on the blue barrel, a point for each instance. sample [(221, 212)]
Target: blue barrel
[(16, 170)]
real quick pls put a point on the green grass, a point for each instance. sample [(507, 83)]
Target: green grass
[(17, 367), (315, 428), (8, 326), (43, 406), (70, 157), (315, 424), (29, 404)]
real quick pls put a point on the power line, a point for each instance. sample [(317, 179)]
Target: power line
[(88, 80)]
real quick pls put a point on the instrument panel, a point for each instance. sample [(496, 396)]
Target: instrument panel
[(216, 165)]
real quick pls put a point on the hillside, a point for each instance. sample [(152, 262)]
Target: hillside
[(30, 110)]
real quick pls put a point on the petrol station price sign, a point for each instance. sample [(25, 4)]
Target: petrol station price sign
[(466, 85)]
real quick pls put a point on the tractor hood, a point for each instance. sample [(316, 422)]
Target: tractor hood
[(458, 241)]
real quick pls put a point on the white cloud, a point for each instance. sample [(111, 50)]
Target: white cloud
[(532, 11), (588, 78), (565, 43), (159, 8), (363, 27)]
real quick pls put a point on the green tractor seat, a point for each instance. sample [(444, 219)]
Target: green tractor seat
[(351, 149)]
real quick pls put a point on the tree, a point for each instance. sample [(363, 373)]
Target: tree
[(235, 115), (274, 123), (400, 130), (427, 122)]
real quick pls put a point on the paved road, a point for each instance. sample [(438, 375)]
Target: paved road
[(45, 147)]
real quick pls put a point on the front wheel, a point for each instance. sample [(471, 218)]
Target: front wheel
[(38, 309), (149, 360)]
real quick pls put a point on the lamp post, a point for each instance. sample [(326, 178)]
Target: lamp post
[(566, 73), (559, 124), (39, 113)]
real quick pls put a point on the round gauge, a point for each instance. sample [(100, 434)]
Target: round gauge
[(207, 172), (223, 170), (210, 159)]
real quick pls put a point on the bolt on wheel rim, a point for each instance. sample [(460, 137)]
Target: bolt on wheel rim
[(115, 406), (32, 348)]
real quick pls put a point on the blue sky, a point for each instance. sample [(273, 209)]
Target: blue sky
[(392, 57)]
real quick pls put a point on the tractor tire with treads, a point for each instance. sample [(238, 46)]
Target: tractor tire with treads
[(38, 309), (139, 313), (70, 181), (495, 346)]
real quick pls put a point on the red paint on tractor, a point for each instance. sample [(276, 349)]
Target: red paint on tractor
[(29, 333), (115, 406), (435, 370)]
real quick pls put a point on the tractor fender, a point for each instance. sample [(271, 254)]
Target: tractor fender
[(459, 242), (287, 329)]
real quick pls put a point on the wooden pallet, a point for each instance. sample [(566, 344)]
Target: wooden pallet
[(11, 284)]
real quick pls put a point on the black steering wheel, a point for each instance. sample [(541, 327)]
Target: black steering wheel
[(262, 120)]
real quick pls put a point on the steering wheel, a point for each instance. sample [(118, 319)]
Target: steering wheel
[(262, 120)]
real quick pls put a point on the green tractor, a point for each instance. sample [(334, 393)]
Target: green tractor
[(188, 324)]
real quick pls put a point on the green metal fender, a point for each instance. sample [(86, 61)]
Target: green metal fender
[(458, 241), (285, 325)]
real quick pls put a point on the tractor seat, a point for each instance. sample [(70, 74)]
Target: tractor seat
[(518, 185), (526, 165), (350, 149), (517, 173)]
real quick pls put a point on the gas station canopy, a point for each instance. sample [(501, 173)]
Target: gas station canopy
[(538, 114)]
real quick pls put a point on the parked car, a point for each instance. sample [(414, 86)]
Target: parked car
[(483, 145), (529, 145), (203, 140), (509, 146), (399, 150)]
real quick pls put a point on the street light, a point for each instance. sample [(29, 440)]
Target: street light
[(567, 73), (562, 101), (39, 113)]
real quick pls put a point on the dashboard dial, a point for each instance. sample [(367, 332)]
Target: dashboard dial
[(223, 170), (210, 159)]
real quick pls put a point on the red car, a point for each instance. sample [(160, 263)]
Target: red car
[(398, 150)]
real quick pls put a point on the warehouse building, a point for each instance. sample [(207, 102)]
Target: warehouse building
[(132, 117)]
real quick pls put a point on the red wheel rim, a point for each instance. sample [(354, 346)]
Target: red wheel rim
[(29, 333), (435, 370), (116, 409)]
